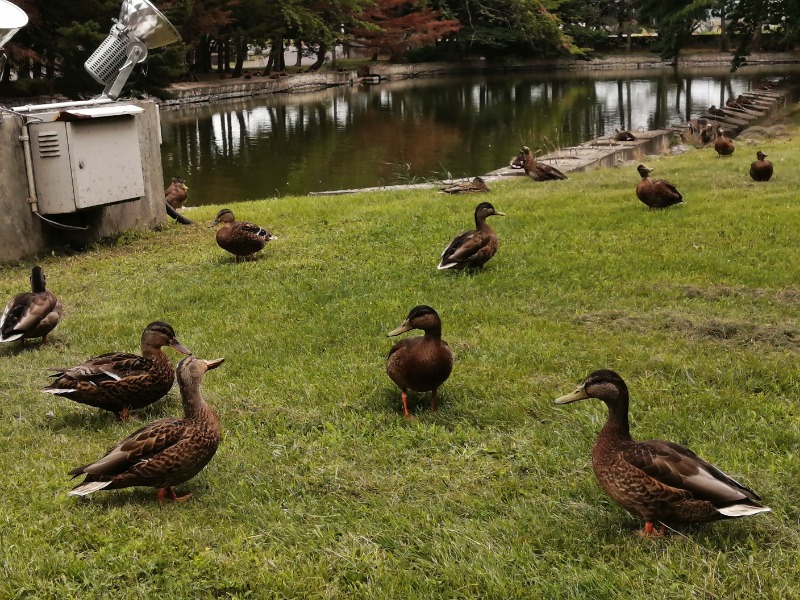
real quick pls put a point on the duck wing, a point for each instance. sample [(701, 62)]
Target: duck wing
[(666, 188), (253, 230), (139, 447), (677, 467), (106, 367), (25, 313), (463, 247)]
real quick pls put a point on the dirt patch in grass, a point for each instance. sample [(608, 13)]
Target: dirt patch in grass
[(725, 291), (780, 335)]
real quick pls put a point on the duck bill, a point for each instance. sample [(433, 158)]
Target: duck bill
[(497, 213), (402, 329), (178, 347), (214, 222), (185, 187), (213, 364), (579, 394)]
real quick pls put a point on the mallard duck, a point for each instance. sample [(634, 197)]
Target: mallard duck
[(716, 111), (723, 145), (656, 480), (624, 136), (761, 169), (472, 249), (166, 453), (733, 104), (539, 171), (421, 363), (31, 314), (656, 193), (517, 161), (707, 134), (118, 381), (177, 193), (477, 185), (240, 238)]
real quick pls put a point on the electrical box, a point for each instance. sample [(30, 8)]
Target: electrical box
[(85, 158)]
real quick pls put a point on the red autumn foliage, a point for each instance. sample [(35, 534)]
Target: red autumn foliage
[(403, 25)]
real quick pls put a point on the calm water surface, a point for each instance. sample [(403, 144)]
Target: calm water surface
[(350, 137)]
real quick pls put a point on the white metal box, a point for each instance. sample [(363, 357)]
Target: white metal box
[(90, 161)]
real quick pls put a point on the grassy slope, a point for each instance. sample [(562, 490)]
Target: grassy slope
[(322, 489)]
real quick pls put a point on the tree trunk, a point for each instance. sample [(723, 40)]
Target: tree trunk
[(323, 49), (276, 54), (203, 55), (299, 61), (220, 57), (724, 41), (241, 54)]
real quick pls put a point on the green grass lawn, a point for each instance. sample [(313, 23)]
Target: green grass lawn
[(322, 489)]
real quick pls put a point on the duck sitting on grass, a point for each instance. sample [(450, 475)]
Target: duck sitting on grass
[(656, 193), (31, 314), (421, 363), (166, 453), (655, 480)]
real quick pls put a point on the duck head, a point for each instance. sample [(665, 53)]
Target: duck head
[(159, 334), (420, 317), (644, 171), (223, 216)]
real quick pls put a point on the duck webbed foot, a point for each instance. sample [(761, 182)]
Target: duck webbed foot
[(650, 530), (169, 493)]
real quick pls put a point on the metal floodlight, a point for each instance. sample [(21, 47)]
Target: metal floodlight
[(12, 18), (140, 26)]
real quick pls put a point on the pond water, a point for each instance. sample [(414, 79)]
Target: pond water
[(419, 129)]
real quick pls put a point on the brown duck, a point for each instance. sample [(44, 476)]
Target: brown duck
[(421, 363), (539, 171), (31, 314), (656, 193), (761, 169), (240, 238), (624, 136), (723, 145), (472, 249), (118, 381), (166, 453), (656, 480), (477, 185), (177, 193)]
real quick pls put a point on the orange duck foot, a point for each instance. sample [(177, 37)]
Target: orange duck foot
[(164, 493), (404, 396), (650, 530)]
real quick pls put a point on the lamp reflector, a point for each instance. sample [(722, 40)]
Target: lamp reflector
[(12, 18), (147, 23)]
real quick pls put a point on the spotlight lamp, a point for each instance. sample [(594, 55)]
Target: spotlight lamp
[(140, 27), (12, 18)]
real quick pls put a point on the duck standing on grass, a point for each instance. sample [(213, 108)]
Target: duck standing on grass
[(118, 381), (656, 193), (240, 238), (420, 363), (31, 314), (761, 168), (473, 249), (166, 453), (656, 480), (723, 145)]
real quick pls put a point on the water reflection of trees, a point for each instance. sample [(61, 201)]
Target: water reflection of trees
[(354, 137)]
